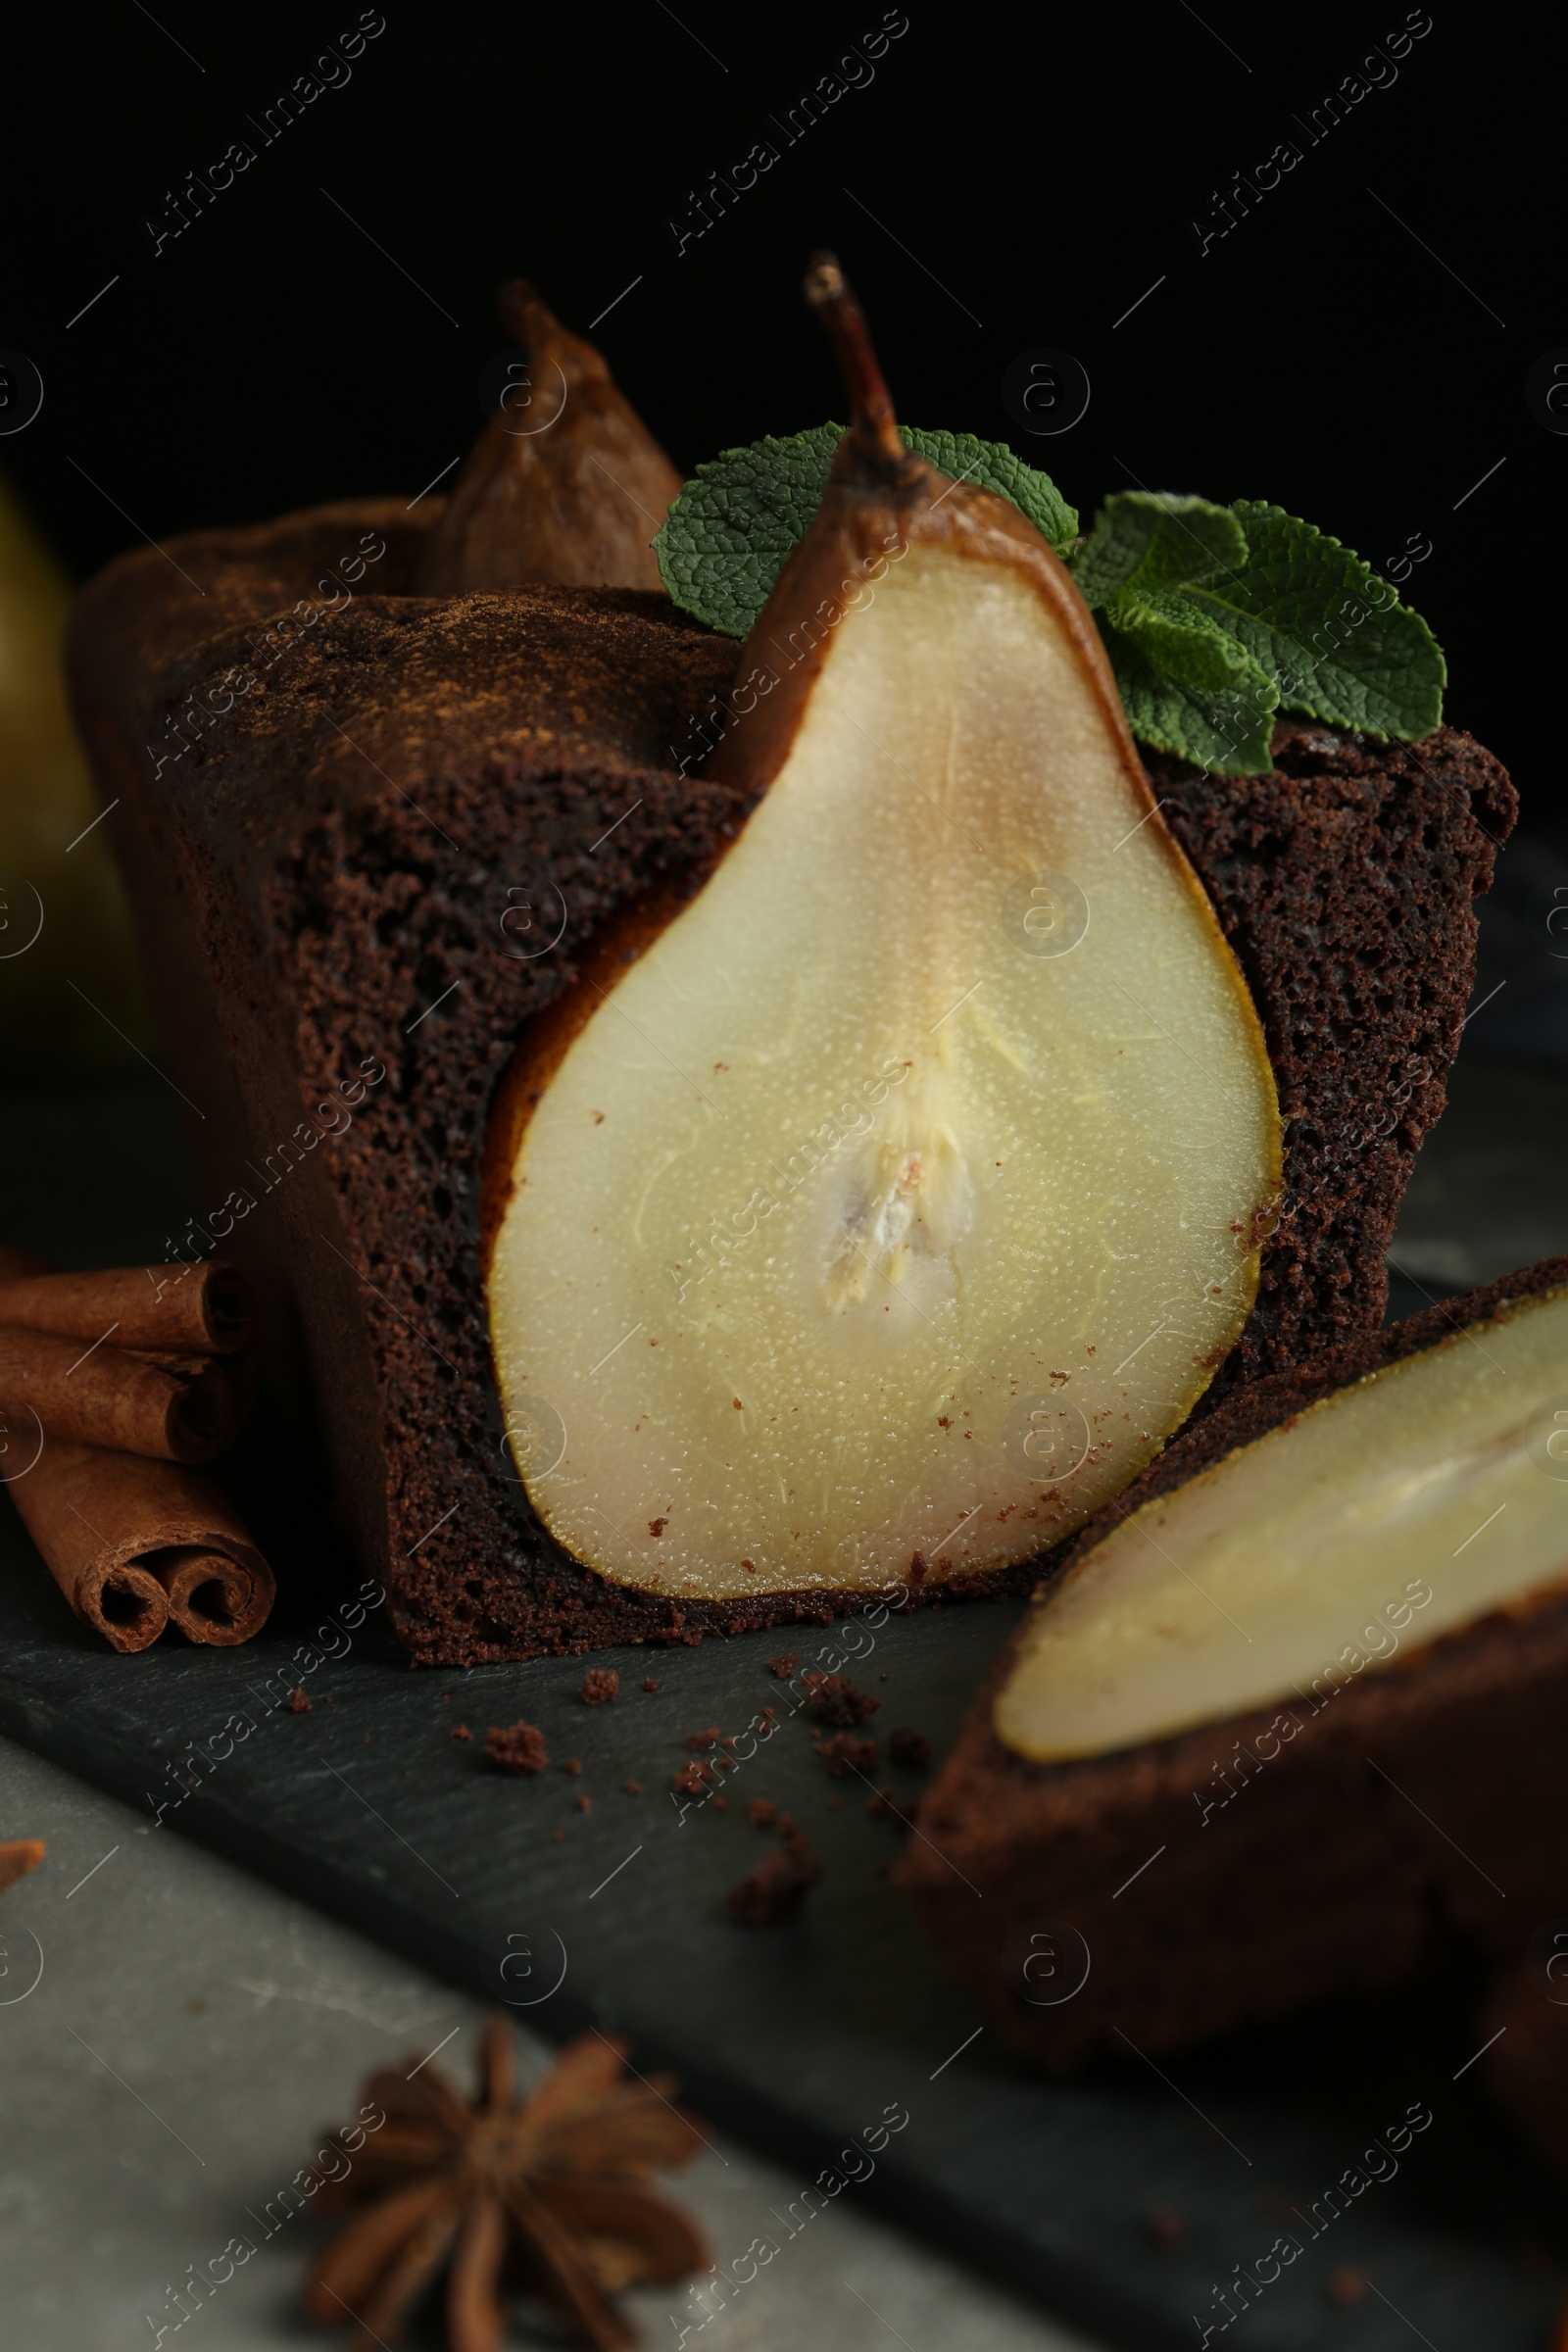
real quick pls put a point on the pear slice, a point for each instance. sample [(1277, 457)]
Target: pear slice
[(1400, 1508), (886, 1214), (564, 487)]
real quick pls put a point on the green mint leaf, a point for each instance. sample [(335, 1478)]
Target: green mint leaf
[(726, 539), (989, 466), (1154, 539), (1187, 685), (1328, 631)]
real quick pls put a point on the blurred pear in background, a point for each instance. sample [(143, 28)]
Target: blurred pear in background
[(63, 917)]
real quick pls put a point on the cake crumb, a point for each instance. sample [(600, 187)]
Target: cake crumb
[(881, 1806), (1166, 2227), (557, 1835), (844, 1754), (697, 1741), (836, 1699), (585, 1805), (1348, 2285), (574, 1765), (906, 1746), (516, 1746), (762, 1812), (298, 1703), (775, 1890), (459, 1730), (632, 1787), (599, 1683), (649, 1682), (782, 1667), (656, 1527), (788, 1826), (693, 1778), (718, 1804)]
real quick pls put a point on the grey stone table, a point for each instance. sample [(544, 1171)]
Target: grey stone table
[(191, 2033)]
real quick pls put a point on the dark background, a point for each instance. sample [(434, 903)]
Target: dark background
[(1030, 174)]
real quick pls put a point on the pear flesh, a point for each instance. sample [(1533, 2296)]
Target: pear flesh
[(888, 1214), (1402, 1508)]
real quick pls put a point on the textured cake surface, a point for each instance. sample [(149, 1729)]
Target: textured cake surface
[(1231, 1872), (389, 836)]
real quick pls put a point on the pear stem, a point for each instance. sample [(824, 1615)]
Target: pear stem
[(873, 426)]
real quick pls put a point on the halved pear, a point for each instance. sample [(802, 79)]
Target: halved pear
[(1400, 1508), (886, 1214)]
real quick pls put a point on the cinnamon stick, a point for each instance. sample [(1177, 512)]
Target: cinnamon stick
[(202, 1309), (133, 1542), (99, 1395)]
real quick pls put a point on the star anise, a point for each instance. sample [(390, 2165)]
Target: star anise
[(546, 2195)]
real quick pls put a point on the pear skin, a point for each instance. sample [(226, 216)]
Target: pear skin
[(564, 487)]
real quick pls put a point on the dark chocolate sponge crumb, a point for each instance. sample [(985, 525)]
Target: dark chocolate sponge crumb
[(516, 1747), (844, 1754), (1344, 882), (835, 1699), (775, 1890)]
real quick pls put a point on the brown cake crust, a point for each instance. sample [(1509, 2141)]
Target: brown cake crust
[(1438, 1783), (320, 873)]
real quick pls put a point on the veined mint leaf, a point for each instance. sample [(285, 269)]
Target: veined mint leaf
[(1154, 539), (1324, 625), (1187, 685), (726, 539), (989, 466)]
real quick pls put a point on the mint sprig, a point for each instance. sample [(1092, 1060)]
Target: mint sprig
[(1312, 626), (1215, 618)]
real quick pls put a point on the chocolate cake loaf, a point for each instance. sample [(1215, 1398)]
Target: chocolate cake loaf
[(562, 925), (372, 837), (1143, 1893)]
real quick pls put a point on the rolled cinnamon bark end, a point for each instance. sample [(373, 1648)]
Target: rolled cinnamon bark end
[(103, 1395), (203, 1309), (126, 1538), (122, 1601), (212, 1596)]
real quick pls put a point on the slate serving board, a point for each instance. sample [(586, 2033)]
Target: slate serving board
[(802, 2039)]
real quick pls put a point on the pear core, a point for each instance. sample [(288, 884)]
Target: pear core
[(898, 1202), (1393, 1511)]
